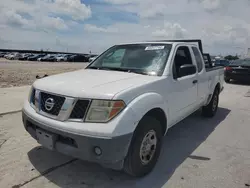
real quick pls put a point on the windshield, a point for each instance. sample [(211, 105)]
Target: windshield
[(243, 62), (147, 58)]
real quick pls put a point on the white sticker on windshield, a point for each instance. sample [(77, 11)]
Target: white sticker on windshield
[(154, 48)]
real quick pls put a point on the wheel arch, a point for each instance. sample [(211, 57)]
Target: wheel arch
[(158, 114), (217, 87)]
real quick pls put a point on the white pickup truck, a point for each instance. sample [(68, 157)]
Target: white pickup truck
[(116, 111)]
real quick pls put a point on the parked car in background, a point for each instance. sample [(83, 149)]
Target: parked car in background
[(46, 57), (8, 55), (221, 62), (63, 57), (52, 58), (17, 56), (238, 70), (71, 58), (2, 54), (78, 58), (12, 56), (43, 58), (25, 56), (35, 57), (93, 58)]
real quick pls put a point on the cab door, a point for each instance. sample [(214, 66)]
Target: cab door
[(183, 94)]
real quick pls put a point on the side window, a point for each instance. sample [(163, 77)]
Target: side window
[(198, 58), (114, 59), (182, 57)]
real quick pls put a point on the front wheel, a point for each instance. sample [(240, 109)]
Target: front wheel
[(145, 148), (211, 109)]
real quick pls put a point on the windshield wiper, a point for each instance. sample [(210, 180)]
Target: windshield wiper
[(92, 68), (110, 68), (120, 69), (139, 72)]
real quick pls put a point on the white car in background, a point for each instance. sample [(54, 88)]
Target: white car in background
[(92, 58), (62, 57), (12, 56)]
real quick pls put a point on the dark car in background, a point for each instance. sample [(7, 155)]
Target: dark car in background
[(238, 70), (25, 56), (2, 54), (78, 58), (221, 62)]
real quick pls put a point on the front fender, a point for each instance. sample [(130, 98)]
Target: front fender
[(139, 107)]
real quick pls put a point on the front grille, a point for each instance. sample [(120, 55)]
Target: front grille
[(57, 100), (79, 109)]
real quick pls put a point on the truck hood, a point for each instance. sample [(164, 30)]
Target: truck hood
[(87, 83)]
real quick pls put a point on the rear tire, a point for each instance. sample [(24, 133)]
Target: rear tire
[(211, 109), (142, 156), (227, 80)]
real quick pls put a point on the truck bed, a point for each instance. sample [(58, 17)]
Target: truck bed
[(208, 69)]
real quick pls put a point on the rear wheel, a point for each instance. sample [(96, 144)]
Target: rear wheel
[(211, 109), (145, 148), (227, 80)]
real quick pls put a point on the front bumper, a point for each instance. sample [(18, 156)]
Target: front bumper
[(113, 150)]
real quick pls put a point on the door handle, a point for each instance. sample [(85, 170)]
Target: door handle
[(195, 81)]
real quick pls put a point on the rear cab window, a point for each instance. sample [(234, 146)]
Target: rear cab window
[(198, 58)]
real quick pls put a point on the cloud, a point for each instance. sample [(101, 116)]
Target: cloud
[(121, 2), (211, 4), (144, 9), (233, 34), (73, 8), (170, 30), (45, 13), (94, 28), (223, 25), (53, 23), (11, 17)]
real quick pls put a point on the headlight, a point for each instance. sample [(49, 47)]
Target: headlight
[(31, 93), (104, 110), (31, 98)]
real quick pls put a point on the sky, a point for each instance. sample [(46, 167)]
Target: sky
[(95, 25)]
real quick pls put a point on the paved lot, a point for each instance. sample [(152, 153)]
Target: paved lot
[(198, 152), (11, 99)]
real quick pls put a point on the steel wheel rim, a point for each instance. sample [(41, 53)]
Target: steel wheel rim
[(215, 102), (148, 147)]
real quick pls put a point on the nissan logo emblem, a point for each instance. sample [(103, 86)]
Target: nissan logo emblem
[(49, 104)]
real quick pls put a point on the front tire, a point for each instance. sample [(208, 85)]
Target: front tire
[(145, 148), (211, 109)]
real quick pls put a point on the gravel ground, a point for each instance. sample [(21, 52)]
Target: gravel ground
[(196, 153), (19, 73)]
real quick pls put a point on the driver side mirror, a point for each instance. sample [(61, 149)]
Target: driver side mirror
[(186, 70)]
